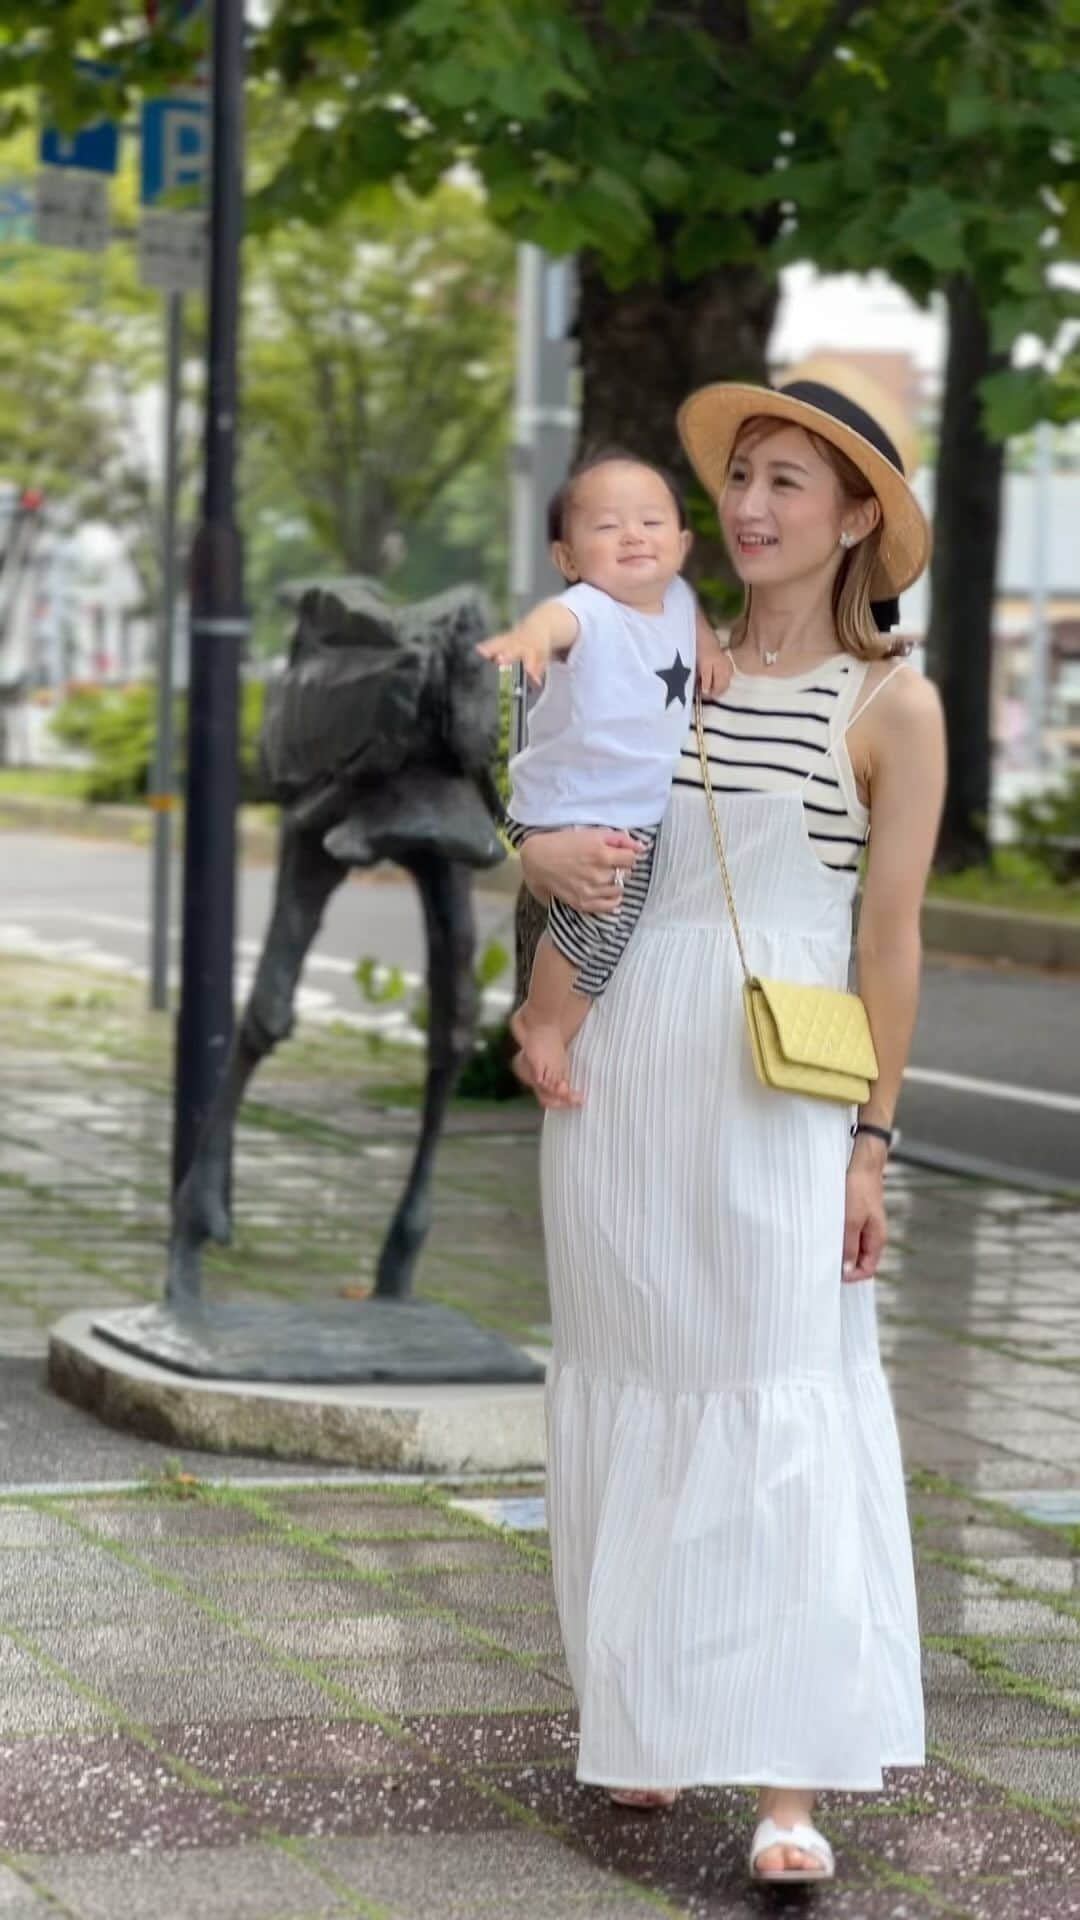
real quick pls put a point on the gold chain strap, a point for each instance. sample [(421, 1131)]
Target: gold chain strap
[(717, 836)]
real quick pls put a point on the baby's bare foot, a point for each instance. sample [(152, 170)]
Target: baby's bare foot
[(545, 1050), (543, 1063)]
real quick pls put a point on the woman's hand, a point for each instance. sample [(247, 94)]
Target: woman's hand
[(865, 1229), (585, 866)]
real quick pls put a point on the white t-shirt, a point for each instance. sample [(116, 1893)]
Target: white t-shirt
[(608, 727)]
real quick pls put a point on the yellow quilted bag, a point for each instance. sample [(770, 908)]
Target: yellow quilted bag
[(804, 1039)]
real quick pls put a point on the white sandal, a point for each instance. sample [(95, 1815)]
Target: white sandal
[(801, 1835)]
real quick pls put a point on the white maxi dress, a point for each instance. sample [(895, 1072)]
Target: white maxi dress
[(726, 1501)]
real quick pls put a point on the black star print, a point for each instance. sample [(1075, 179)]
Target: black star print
[(674, 678)]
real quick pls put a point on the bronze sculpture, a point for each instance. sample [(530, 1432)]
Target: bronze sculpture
[(378, 742)]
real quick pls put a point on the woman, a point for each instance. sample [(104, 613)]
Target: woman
[(732, 1558)]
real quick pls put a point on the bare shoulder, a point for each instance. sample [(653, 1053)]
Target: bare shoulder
[(908, 705), (901, 730)]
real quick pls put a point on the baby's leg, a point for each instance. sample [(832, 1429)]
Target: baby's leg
[(550, 1017)]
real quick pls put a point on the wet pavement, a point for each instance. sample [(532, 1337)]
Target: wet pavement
[(252, 1699)]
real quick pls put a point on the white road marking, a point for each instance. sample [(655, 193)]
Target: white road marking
[(995, 1089), (314, 1003), (121, 923)]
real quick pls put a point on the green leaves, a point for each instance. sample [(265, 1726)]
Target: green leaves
[(667, 182), (928, 141), (930, 225), (380, 985), (970, 114), (1015, 401)]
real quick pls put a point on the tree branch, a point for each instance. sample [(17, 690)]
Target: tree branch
[(814, 58)]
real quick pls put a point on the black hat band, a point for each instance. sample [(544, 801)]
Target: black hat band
[(827, 400)]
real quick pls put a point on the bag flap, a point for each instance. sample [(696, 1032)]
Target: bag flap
[(821, 1027)]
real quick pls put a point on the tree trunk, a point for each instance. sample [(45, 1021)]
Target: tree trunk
[(645, 347), (967, 520)]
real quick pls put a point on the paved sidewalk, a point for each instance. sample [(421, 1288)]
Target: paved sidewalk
[(263, 1701)]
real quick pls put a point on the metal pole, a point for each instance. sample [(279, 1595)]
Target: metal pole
[(218, 628), (523, 504), (163, 782), (545, 426), (1040, 631)]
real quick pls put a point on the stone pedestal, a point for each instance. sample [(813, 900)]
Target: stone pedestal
[(393, 1426)]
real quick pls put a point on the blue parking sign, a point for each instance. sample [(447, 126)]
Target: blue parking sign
[(95, 149), (175, 145)]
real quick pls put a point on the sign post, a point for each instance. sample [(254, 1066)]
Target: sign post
[(172, 256), (174, 155), (218, 628), (162, 796)]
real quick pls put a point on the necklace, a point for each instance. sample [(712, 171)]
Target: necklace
[(769, 659)]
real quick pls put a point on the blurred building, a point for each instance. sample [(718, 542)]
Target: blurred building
[(1027, 502), (72, 613)]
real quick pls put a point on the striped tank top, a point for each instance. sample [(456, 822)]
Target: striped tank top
[(771, 734)]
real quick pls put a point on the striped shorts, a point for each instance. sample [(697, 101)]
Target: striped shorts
[(594, 943)]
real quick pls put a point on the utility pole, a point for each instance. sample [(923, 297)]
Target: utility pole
[(218, 629), (1039, 643), (545, 429)]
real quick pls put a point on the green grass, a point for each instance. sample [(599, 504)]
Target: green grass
[(1012, 882), (43, 783)]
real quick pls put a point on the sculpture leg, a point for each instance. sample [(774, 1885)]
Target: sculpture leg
[(446, 892), (306, 878)]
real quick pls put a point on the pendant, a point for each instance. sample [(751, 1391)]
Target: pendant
[(770, 659)]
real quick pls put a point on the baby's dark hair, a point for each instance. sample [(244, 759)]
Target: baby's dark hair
[(563, 498)]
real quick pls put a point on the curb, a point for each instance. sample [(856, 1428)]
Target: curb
[(430, 1429), (1045, 941), (998, 1173), (992, 933)]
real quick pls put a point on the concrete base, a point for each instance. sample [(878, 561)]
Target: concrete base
[(402, 1429)]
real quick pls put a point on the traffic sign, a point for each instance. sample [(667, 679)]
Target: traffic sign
[(173, 251), (175, 145), (71, 209), (92, 149)]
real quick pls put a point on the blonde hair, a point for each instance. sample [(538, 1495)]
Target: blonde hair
[(856, 629)]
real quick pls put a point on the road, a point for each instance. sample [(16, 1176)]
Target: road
[(995, 1070)]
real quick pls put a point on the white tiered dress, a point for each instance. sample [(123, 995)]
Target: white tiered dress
[(726, 1500)]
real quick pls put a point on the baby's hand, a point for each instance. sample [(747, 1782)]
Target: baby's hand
[(550, 628), (506, 649)]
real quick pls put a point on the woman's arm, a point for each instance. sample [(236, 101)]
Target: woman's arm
[(579, 865), (906, 777)]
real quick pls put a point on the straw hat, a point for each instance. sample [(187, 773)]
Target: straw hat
[(843, 405)]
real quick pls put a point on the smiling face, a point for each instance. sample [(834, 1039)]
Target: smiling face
[(622, 533), (783, 509)]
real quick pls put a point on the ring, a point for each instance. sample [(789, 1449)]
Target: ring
[(620, 877)]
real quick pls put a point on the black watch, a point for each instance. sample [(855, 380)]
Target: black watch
[(888, 1134)]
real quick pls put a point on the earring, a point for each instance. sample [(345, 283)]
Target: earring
[(847, 539)]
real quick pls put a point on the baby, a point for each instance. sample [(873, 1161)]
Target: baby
[(618, 651)]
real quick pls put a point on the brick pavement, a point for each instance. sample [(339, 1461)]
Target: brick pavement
[(263, 1700)]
